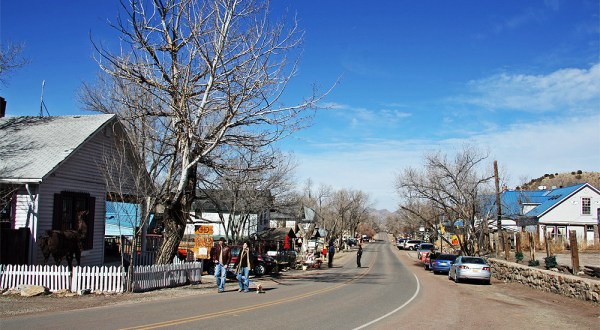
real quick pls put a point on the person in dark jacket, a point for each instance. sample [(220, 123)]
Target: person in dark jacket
[(330, 254), (242, 266), (222, 257), (358, 255)]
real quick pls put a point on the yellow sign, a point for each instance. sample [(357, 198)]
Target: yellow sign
[(454, 240), (204, 230), (203, 241)]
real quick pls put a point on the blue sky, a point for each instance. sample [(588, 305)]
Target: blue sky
[(519, 79)]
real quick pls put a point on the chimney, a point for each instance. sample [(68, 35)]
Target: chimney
[(2, 107)]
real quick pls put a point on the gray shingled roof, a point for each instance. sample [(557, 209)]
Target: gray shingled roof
[(32, 147)]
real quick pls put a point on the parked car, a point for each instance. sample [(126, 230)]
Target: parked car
[(472, 268), (442, 263), (429, 258), (424, 248), (287, 258), (410, 244), (263, 264), (400, 243)]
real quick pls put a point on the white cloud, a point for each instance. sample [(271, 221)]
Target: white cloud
[(523, 150), (533, 149), (575, 90), (565, 141)]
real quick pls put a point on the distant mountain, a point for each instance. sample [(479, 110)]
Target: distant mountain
[(563, 180)]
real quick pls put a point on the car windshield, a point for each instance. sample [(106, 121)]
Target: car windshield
[(450, 257), (425, 246), (473, 261)]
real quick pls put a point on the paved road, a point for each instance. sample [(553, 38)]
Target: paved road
[(392, 291), (344, 297)]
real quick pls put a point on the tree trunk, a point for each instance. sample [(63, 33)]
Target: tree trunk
[(174, 229)]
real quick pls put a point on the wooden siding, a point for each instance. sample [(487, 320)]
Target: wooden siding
[(22, 207), (82, 173), (569, 210)]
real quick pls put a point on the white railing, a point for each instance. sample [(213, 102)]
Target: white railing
[(99, 279)]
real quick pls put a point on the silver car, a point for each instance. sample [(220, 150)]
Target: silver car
[(471, 268)]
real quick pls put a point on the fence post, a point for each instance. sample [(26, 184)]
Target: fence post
[(574, 251)]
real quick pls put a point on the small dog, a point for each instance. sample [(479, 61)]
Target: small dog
[(259, 287)]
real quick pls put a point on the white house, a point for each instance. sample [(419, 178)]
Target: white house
[(557, 211), (55, 168)]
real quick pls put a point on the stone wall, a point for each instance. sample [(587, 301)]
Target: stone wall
[(546, 280)]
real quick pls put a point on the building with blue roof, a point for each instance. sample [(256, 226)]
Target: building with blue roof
[(554, 212)]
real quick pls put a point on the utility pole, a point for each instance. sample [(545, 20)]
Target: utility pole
[(499, 239)]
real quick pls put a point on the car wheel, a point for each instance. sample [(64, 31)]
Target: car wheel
[(487, 282), (259, 270), (425, 267), (435, 272), (456, 278)]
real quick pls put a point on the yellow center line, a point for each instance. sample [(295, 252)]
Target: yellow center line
[(249, 308)]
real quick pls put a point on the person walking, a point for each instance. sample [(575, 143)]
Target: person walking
[(221, 259), (242, 265), (358, 255), (330, 254)]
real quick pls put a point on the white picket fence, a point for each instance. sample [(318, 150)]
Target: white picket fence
[(53, 277), (163, 276), (99, 279)]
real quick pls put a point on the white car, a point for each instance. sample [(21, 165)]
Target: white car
[(410, 244), (400, 243), (472, 268)]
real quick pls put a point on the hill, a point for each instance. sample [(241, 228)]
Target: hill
[(563, 180)]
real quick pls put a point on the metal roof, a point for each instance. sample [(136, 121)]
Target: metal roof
[(553, 198), (31, 148), (542, 200)]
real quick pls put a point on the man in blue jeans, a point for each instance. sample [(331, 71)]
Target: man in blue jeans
[(221, 259)]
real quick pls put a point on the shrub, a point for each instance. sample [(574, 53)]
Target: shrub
[(534, 263), (550, 262), (519, 256), (579, 172)]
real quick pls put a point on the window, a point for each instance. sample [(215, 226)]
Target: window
[(66, 206), (586, 204)]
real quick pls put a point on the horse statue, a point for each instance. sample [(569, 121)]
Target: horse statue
[(65, 243)]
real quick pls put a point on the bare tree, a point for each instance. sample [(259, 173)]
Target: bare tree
[(208, 76), (130, 188), (253, 182), (345, 211), (315, 199), (11, 59), (450, 187)]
